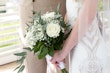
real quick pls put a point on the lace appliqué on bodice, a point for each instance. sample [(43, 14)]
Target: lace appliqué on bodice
[(92, 64)]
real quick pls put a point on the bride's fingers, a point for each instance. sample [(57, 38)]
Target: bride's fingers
[(53, 61), (57, 65)]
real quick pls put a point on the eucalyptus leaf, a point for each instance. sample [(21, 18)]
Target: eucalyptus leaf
[(58, 8), (62, 23), (21, 60), (57, 16), (39, 13), (31, 22), (17, 68), (21, 54), (21, 69), (27, 24), (28, 48)]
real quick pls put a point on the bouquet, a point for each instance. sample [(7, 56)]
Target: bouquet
[(44, 37)]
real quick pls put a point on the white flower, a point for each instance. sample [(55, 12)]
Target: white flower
[(30, 39), (63, 30), (48, 16), (35, 22), (34, 34), (53, 29), (39, 32)]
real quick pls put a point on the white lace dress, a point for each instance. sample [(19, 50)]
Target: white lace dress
[(91, 53)]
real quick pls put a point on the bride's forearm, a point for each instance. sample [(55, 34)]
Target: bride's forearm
[(83, 20), (72, 40)]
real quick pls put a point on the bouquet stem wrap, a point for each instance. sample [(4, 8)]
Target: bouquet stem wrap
[(52, 67)]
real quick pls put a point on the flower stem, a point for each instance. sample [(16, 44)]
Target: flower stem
[(64, 71)]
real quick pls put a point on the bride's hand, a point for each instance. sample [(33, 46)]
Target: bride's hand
[(59, 56)]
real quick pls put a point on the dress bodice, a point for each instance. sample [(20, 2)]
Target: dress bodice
[(72, 8)]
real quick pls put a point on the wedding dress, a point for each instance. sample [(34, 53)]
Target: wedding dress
[(90, 54)]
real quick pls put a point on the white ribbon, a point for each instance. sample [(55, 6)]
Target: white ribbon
[(61, 64)]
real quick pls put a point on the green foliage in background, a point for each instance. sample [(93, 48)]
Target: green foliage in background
[(100, 5)]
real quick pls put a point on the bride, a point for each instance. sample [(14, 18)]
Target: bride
[(85, 45)]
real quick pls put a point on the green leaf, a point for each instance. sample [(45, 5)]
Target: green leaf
[(51, 51), (58, 8), (37, 47), (21, 69), (21, 60), (21, 54), (57, 16), (64, 71), (27, 24), (28, 48), (17, 68), (43, 52), (39, 13), (58, 47)]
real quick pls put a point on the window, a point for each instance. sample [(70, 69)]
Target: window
[(9, 27)]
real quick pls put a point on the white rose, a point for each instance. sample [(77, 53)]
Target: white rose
[(53, 30)]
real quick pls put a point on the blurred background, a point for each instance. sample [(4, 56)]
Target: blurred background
[(9, 34)]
